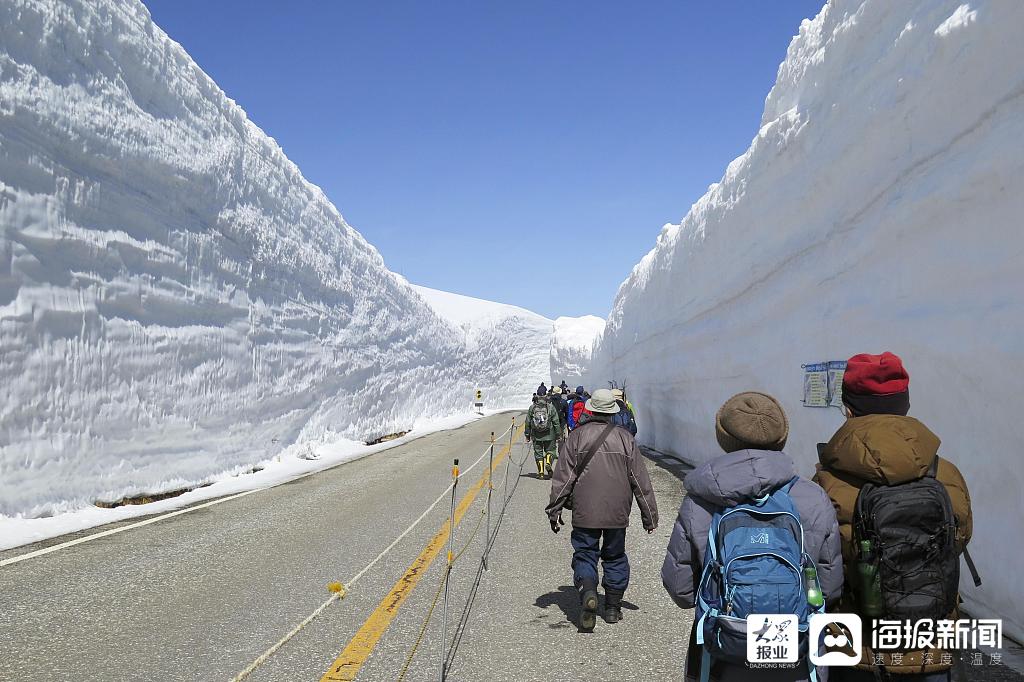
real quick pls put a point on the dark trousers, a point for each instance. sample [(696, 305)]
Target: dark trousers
[(608, 544)]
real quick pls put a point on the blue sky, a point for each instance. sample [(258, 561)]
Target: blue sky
[(525, 152)]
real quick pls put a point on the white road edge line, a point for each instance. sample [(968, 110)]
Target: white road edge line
[(121, 529)]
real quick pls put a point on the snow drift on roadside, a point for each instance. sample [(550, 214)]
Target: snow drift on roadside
[(506, 346), (571, 347), (177, 303), (878, 208)]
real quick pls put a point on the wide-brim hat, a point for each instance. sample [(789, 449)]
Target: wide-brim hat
[(602, 402)]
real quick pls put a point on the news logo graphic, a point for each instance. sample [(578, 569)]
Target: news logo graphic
[(834, 639), (772, 638)]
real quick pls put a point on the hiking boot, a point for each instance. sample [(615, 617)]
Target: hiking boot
[(540, 469), (612, 606), (547, 467), (588, 614)]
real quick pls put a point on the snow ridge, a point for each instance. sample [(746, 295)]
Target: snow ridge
[(177, 303)]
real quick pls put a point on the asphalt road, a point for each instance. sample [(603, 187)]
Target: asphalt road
[(200, 596)]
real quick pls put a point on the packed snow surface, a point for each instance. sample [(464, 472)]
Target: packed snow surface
[(177, 303), (571, 347), (879, 207)]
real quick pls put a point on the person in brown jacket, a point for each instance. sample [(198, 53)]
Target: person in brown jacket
[(880, 445), (601, 468)]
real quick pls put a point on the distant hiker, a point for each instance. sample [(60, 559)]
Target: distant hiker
[(544, 429), (542, 389), (563, 409), (598, 475), (753, 474), (579, 408), (624, 417), (574, 397), (900, 506), (565, 387)]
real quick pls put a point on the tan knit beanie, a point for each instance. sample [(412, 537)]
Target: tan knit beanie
[(751, 421)]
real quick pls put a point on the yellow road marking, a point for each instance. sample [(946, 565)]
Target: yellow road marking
[(347, 665)]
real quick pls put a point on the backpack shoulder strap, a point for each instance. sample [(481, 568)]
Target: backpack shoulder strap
[(933, 470)]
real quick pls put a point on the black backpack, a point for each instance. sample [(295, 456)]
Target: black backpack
[(912, 531)]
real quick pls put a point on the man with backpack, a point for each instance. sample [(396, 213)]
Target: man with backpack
[(751, 537), (598, 475), (900, 506), (544, 429)]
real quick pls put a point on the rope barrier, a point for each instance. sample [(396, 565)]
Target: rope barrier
[(340, 590), (489, 540)]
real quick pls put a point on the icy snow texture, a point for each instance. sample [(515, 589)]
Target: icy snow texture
[(507, 346), (176, 301), (878, 208), (571, 347)]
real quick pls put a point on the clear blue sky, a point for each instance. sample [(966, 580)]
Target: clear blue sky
[(482, 146)]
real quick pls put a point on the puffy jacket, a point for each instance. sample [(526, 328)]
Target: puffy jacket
[(728, 480), (887, 449), (603, 496)]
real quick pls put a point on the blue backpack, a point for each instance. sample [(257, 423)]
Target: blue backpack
[(754, 563)]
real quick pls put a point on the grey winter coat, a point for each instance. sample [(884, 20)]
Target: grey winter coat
[(603, 496), (728, 480)]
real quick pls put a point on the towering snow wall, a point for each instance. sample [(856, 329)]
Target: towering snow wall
[(572, 344), (506, 346), (878, 208), (176, 300)]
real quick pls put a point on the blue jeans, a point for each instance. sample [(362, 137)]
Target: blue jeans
[(588, 548)]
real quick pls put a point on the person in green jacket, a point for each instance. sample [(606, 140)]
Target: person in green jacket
[(544, 428)]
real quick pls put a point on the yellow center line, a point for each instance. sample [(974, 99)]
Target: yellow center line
[(348, 663)]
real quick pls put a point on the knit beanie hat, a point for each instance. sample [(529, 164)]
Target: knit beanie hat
[(876, 384), (751, 421)]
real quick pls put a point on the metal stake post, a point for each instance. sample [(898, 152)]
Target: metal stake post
[(490, 487), (448, 573)]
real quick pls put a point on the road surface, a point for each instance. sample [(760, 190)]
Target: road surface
[(202, 595)]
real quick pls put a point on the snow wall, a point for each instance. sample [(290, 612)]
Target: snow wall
[(176, 301), (507, 346), (878, 208), (572, 345)]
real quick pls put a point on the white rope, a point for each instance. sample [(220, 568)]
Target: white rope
[(345, 586)]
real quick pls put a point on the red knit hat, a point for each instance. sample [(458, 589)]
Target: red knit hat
[(876, 384), (868, 374)]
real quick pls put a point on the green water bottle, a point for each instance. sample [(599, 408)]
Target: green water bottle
[(814, 596), (870, 582)]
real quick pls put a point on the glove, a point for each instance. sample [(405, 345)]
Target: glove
[(554, 525)]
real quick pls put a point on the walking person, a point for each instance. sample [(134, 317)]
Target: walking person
[(899, 505), (754, 474), (544, 429), (600, 473)]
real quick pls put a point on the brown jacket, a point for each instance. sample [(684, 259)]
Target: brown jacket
[(886, 449), (603, 497)]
